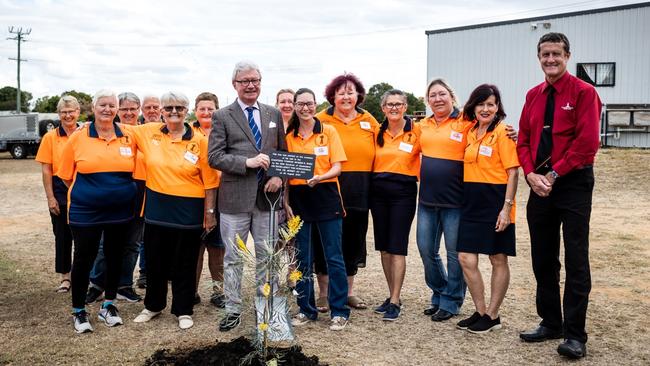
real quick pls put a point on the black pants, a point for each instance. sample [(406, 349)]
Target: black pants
[(86, 240), (62, 240), (171, 254), (568, 206)]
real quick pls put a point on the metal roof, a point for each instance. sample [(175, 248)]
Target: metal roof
[(544, 17)]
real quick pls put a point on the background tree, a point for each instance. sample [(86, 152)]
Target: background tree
[(322, 106), (47, 104), (8, 99), (372, 103)]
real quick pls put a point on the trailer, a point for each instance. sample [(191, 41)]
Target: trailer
[(20, 135)]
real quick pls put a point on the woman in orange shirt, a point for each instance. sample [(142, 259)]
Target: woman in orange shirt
[(318, 202), (49, 155), (488, 214), (393, 192)]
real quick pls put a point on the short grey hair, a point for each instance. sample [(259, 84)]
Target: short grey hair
[(245, 66), (150, 96), (67, 101), (128, 97), (388, 93), (174, 98), (103, 93)]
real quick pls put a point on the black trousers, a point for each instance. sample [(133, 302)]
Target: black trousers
[(86, 244), (62, 240), (567, 207), (171, 254)]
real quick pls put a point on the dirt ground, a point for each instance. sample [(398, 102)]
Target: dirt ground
[(35, 322)]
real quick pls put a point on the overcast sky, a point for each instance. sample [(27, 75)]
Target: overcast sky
[(192, 45)]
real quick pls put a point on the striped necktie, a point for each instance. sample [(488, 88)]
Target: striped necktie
[(256, 131), (258, 138)]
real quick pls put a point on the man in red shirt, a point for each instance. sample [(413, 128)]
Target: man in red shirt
[(558, 139)]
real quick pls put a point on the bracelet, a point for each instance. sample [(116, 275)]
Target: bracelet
[(509, 202), (210, 210)]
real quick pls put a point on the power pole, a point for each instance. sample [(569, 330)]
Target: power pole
[(19, 38)]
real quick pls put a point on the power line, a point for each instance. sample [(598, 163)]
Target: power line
[(18, 38)]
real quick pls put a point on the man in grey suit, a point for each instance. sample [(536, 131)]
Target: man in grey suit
[(242, 138)]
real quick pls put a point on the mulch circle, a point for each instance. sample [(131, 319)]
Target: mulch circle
[(229, 354)]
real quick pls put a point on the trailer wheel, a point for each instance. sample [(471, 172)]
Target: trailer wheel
[(18, 151), (45, 126)]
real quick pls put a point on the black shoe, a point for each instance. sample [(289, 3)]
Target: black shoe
[(230, 321), (218, 299), (128, 294), (465, 323), (441, 315), (197, 299), (484, 325), (540, 334), (431, 310), (142, 281), (572, 349), (94, 294)]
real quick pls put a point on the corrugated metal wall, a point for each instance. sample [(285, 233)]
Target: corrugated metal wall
[(505, 55)]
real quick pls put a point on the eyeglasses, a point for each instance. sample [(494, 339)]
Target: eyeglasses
[(152, 107), (300, 105), (393, 105), (130, 110), (179, 108), (255, 82)]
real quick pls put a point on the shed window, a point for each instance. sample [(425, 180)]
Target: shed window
[(597, 73)]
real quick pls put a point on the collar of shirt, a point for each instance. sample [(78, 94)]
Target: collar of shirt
[(558, 85), (256, 113), (92, 130), (186, 136)]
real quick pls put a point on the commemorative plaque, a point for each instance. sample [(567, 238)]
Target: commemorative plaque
[(291, 165)]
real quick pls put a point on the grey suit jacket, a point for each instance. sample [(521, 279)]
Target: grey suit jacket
[(231, 142)]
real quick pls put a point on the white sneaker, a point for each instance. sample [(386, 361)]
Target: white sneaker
[(110, 315), (300, 319), (338, 323), (81, 323), (146, 315), (185, 322)]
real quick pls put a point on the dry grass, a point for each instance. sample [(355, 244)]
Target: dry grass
[(35, 324)]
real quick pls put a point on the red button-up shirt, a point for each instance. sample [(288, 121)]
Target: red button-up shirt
[(576, 122)]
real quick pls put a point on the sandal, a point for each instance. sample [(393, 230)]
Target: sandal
[(356, 303), (322, 305), (64, 286)]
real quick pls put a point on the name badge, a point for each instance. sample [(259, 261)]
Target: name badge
[(485, 150), (405, 147), (364, 125), (192, 158), (126, 151), (320, 150), (272, 124), (456, 136)]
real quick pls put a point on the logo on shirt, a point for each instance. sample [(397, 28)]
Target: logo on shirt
[(193, 147), (567, 107), (321, 139), (409, 138), (155, 139), (125, 140)]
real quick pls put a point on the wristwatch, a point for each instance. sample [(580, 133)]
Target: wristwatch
[(554, 174), (509, 201), (210, 210)]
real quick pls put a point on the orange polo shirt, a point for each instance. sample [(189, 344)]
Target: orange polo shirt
[(485, 171), (323, 201), (441, 173), (49, 152), (177, 175), (324, 143), (102, 190), (400, 155), (358, 139)]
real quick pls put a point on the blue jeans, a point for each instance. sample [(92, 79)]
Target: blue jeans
[(448, 286), (129, 258), (337, 295)]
